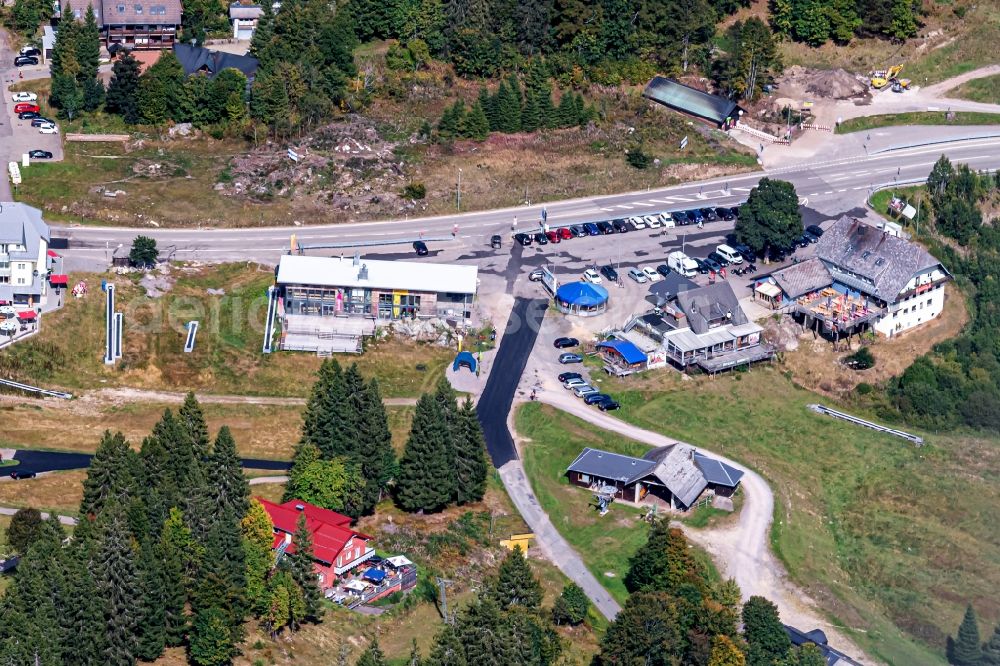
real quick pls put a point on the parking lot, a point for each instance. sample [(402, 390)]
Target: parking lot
[(21, 137)]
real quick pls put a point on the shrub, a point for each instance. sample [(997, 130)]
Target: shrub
[(861, 359), (638, 159), (864, 388), (415, 191)]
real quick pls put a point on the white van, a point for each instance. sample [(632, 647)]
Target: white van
[(637, 222), (682, 264), (653, 221), (729, 254)]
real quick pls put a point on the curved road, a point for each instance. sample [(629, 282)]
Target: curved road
[(58, 461)]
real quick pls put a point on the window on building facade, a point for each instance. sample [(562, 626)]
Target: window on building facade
[(121, 9), (138, 9), (20, 280)]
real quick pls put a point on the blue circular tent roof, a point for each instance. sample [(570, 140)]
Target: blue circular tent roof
[(582, 294)]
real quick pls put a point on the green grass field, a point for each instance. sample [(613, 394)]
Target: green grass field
[(604, 543), (986, 89), (891, 540), (917, 118)]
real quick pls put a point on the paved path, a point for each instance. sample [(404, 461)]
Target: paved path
[(58, 461), (257, 480), (741, 551), (939, 89), (11, 510), (144, 395)]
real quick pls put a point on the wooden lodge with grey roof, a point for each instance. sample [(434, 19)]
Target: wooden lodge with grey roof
[(670, 477)]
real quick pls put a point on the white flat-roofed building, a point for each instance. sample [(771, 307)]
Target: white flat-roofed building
[(376, 289)]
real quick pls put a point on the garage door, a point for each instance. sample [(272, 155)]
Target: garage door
[(244, 33)]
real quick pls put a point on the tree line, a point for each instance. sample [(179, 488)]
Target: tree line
[(345, 460), (169, 551), (958, 382), (816, 22)]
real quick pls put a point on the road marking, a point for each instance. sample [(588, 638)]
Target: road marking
[(861, 188), (684, 199), (813, 178), (814, 194), (828, 192), (608, 210), (843, 190), (742, 189), (642, 203), (661, 201)]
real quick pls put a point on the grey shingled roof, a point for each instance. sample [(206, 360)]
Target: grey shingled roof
[(197, 59), (22, 225), (801, 278), (676, 469), (606, 465), (685, 99), (711, 302), (141, 12), (717, 472), (880, 263)]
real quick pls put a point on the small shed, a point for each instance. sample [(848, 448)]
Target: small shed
[(719, 111), (622, 356), (769, 293)]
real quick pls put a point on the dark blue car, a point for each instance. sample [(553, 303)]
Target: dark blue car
[(592, 229)]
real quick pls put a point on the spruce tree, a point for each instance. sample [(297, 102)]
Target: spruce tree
[(226, 478), (326, 422), (372, 656), (665, 564), (516, 585), (471, 465), (488, 103), (211, 643), (447, 650), (647, 630), (123, 90), (967, 651), (81, 609), (426, 471), (300, 566), (87, 45), (809, 655), (152, 613), (477, 125), (483, 635), (118, 585), (25, 528), (260, 43), (375, 454), (508, 111), (179, 555), (991, 650), (572, 605), (566, 111), (190, 415), (109, 477), (530, 114), (764, 633)]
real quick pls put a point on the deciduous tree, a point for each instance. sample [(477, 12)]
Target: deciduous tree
[(770, 218), (766, 638)]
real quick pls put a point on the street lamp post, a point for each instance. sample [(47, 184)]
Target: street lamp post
[(458, 193)]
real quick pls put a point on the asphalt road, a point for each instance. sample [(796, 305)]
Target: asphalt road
[(57, 461), (826, 185), (512, 355)]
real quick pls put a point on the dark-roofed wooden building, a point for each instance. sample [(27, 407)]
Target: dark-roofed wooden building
[(670, 477), (141, 24), (719, 111), (199, 60), (861, 278)]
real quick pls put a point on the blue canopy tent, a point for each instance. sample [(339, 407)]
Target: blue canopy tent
[(465, 359), (374, 575), (582, 298)]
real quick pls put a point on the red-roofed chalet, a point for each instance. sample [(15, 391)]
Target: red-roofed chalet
[(336, 547)]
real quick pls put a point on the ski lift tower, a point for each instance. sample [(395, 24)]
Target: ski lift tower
[(604, 495)]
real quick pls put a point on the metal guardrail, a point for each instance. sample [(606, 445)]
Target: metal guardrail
[(904, 146), (821, 409), (35, 389)]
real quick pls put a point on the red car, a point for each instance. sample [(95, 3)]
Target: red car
[(552, 236), (565, 233), (26, 106)]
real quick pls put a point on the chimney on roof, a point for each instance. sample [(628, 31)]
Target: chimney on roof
[(363, 273), (357, 258)]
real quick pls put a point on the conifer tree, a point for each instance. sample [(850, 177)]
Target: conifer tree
[(152, 614), (300, 566), (260, 43), (222, 571), (766, 638), (211, 643), (566, 111), (471, 465), (190, 415), (226, 478), (258, 535), (967, 651), (488, 103), (477, 125), (81, 609), (508, 109), (118, 585), (123, 90), (179, 555), (809, 655), (447, 650), (325, 423), (426, 470), (87, 44), (665, 564), (530, 114), (372, 656), (25, 528), (572, 605), (63, 61), (991, 650), (109, 477), (375, 454), (516, 585), (414, 659), (647, 630)]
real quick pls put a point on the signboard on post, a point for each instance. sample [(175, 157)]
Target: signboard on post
[(549, 281), (684, 143), (292, 155)]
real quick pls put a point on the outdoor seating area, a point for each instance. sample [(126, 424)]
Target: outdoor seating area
[(842, 309), (380, 578)]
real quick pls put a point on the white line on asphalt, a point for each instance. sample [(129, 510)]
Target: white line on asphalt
[(843, 190), (814, 194), (608, 210), (660, 201), (828, 192), (642, 203), (625, 206), (861, 188), (742, 189)]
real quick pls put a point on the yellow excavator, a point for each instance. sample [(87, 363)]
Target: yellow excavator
[(882, 77)]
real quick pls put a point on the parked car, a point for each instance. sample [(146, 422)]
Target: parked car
[(709, 214), (609, 272), (541, 238), (39, 154), (735, 210), (651, 274), (495, 241), (570, 358), (592, 276), (577, 230), (48, 129), (585, 390), (744, 250), (681, 218), (420, 248), (718, 258), (638, 275), (592, 229), (523, 239), (23, 474), (566, 376), (29, 51), (29, 115), (594, 398), (24, 97), (553, 237), (695, 216), (637, 222), (605, 227), (40, 121), (21, 61), (620, 226), (574, 382), (802, 241), (777, 253), (815, 230), (702, 266), (667, 220), (608, 405), (22, 107), (663, 270), (536, 275), (712, 264), (564, 233), (653, 221), (810, 237), (725, 214), (565, 343)]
